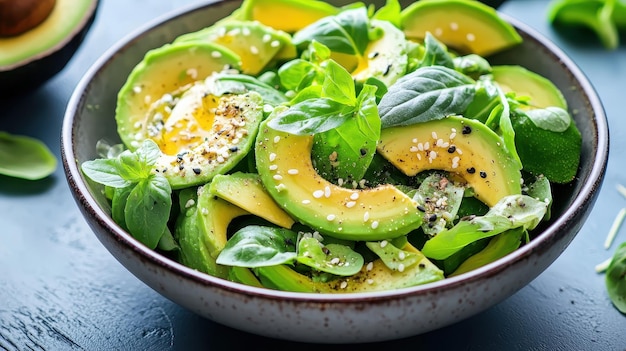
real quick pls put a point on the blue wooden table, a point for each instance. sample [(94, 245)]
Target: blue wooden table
[(61, 290)]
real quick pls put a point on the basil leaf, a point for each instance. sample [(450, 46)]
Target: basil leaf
[(147, 209), (428, 93), (338, 84), (297, 74), (394, 258), (436, 53), (25, 157), (310, 117), (346, 32), (118, 205), (472, 65), (438, 214), (332, 258), (513, 211), (554, 119), (615, 279), (390, 12), (241, 83), (136, 166), (259, 246), (105, 171)]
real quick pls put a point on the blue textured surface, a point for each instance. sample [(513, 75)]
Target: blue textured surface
[(61, 290)]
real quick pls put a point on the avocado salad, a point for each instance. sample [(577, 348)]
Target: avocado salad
[(301, 146)]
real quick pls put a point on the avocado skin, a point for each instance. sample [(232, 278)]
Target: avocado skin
[(33, 73)]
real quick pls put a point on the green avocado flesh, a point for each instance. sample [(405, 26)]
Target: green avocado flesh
[(541, 91), (458, 145), (465, 26), (67, 18)]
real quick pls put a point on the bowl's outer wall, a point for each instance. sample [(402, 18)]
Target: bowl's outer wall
[(308, 317)]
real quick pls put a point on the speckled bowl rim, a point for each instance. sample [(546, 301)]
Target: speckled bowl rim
[(586, 195)]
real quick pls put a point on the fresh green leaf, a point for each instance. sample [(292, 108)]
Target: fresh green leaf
[(436, 53), (25, 157), (297, 74), (258, 246), (428, 93), (615, 278), (333, 258), (441, 198), (513, 211), (394, 258), (390, 12), (338, 84), (242, 83), (147, 209), (310, 116), (472, 65), (346, 32), (105, 171), (554, 119)]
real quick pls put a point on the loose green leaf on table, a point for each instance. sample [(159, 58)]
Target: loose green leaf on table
[(25, 157), (615, 278)]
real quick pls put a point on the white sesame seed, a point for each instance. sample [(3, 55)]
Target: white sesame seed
[(277, 177), (369, 266), (343, 284), (331, 217), (204, 211), (340, 181), (370, 281), (350, 204), (272, 157), (306, 202), (190, 203), (366, 216), (374, 224), (192, 73), (454, 25), (267, 38), (147, 99), (354, 196), (401, 255), (327, 191), (335, 261), (432, 155), (383, 243), (276, 139), (137, 89), (245, 31), (439, 142), (292, 171), (400, 267), (456, 159), (459, 151), (254, 50), (318, 194), (470, 37), (220, 159), (414, 140), (434, 135), (216, 54), (275, 43), (452, 135), (273, 167), (419, 156), (438, 32), (426, 145), (413, 149), (420, 147)]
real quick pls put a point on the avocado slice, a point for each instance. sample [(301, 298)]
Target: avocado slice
[(201, 229), (246, 191), (286, 15), (375, 276), (34, 53), (169, 69), (255, 43), (469, 27), (386, 57), (541, 91), (284, 164), (458, 145)]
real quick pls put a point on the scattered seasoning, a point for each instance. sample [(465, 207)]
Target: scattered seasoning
[(197, 170), (451, 149), (471, 170), (483, 174), (466, 130)]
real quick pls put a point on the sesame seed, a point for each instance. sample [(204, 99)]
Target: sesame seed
[(438, 32), (292, 171), (137, 89), (483, 174), (459, 151), (331, 217), (414, 140), (455, 159), (272, 157), (276, 139), (454, 25), (400, 267), (350, 204), (277, 177), (439, 143), (318, 194), (327, 191), (434, 135), (275, 43), (413, 149), (366, 216), (452, 135), (401, 255), (419, 156), (432, 155), (383, 243), (420, 147), (267, 38), (190, 203), (369, 266), (340, 181), (245, 31), (216, 54), (370, 281), (470, 37), (466, 130), (335, 261), (354, 196), (220, 159), (273, 167), (306, 202), (343, 284), (204, 211), (426, 145), (192, 73)]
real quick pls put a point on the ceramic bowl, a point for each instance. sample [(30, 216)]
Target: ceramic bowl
[(329, 318)]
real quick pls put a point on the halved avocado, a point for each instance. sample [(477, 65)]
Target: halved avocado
[(541, 91), (201, 229), (374, 277), (246, 191), (255, 43), (284, 164), (465, 26), (164, 71), (35, 53), (286, 15), (458, 145)]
